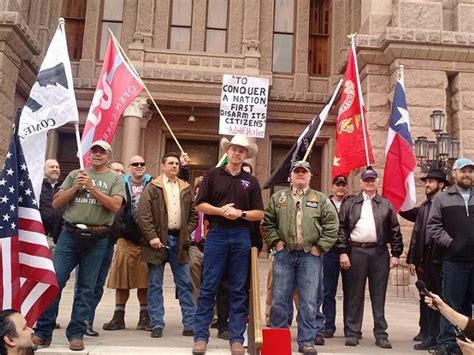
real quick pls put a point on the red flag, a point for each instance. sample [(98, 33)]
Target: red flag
[(350, 147), (28, 282), (117, 87)]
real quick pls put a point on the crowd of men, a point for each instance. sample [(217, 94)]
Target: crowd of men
[(128, 227)]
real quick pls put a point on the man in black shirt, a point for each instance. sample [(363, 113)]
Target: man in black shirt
[(52, 217), (230, 198)]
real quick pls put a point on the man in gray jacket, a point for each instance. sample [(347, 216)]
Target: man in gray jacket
[(451, 225)]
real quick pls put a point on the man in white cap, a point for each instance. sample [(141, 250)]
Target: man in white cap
[(92, 197), (451, 226), (230, 197), (300, 224)]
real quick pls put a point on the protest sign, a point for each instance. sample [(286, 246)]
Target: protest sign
[(244, 102)]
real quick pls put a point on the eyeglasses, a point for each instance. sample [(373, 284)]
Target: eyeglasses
[(138, 165), (298, 205)]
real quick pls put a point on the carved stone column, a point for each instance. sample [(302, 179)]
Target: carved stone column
[(132, 117)]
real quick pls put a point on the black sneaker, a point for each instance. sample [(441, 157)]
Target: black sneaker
[(328, 334), (223, 335), (308, 350), (426, 344), (319, 340), (188, 333), (352, 341), (420, 336), (157, 333)]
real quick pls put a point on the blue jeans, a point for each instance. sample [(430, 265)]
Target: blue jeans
[(319, 301), (99, 286), (458, 292), (301, 270), (225, 249), (65, 258), (184, 289), (331, 275)]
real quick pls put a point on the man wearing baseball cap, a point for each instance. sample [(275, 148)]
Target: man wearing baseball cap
[(300, 224), (340, 190), (451, 226), (368, 223), (92, 197)]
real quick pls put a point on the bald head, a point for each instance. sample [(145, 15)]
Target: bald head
[(136, 167), (51, 171), (117, 167)]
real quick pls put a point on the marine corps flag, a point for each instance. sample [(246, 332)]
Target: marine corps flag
[(353, 148)]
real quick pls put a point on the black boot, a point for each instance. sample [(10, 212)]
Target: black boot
[(117, 321), (144, 321)]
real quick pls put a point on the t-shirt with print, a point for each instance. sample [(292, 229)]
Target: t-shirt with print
[(136, 190), (85, 208)]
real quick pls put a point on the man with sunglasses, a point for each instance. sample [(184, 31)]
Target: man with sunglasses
[(300, 224), (128, 271), (367, 223)]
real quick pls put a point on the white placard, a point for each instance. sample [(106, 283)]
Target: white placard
[(244, 102)]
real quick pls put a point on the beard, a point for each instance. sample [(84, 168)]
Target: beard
[(431, 191), (464, 183)]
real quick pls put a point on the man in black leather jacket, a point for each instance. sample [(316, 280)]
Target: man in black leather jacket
[(367, 223), (424, 258)]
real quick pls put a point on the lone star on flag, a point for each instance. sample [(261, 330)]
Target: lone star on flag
[(336, 161), (404, 118)]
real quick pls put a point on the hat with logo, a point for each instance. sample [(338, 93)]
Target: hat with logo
[(461, 163), (241, 141), (369, 173), (436, 174), (340, 179), (301, 164), (103, 144)]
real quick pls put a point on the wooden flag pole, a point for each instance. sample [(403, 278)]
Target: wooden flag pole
[(146, 89)]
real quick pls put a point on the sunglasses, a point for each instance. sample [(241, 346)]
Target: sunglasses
[(138, 165)]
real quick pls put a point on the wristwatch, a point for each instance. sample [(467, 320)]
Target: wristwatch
[(243, 215)]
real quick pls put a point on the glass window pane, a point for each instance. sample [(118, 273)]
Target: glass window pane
[(113, 10), (104, 37), (284, 14), (180, 38), (282, 53), (216, 41), (217, 14), (181, 11)]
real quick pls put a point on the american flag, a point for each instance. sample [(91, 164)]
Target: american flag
[(29, 282)]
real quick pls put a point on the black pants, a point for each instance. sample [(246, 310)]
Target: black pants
[(429, 318), (367, 264)]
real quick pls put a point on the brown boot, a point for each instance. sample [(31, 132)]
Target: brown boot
[(144, 321), (40, 342), (76, 344), (117, 321), (199, 347), (237, 348)]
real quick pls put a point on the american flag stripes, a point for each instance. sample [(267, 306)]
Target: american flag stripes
[(28, 278)]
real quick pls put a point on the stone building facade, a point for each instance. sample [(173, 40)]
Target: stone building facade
[(183, 66)]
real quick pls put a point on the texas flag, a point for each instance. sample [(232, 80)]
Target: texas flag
[(400, 162)]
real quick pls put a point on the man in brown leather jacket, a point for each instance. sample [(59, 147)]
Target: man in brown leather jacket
[(166, 217), (367, 223)]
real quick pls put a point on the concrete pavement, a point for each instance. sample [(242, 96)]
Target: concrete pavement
[(401, 314)]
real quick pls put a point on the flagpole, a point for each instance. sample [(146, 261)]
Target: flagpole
[(146, 89), (361, 99), (221, 160), (79, 148), (322, 119), (401, 76)]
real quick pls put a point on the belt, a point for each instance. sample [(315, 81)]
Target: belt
[(173, 232), (98, 228), (89, 228), (364, 245)]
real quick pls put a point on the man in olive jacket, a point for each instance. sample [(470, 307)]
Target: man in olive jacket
[(166, 217), (300, 224)]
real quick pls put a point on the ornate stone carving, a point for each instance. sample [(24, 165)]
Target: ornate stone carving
[(138, 108)]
